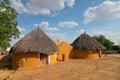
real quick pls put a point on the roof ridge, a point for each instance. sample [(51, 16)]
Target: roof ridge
[(61, 43)]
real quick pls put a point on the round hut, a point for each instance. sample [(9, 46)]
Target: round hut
[(86, 47), (34, 49), (65, 50)]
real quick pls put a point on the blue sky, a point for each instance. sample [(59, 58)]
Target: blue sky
[(67, 19)]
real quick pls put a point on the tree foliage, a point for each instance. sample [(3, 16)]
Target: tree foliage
[(8, 24), (116, 47), (106, 42)]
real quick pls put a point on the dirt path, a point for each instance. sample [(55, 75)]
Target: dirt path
[(75, 69)]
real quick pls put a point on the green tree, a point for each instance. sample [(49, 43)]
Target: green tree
[(106, 42), (8, 24), (116, 47)]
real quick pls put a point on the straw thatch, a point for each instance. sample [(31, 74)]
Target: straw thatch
[(85, 42), (35, 41)]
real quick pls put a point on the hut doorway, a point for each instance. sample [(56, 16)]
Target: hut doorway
[(43, 59)]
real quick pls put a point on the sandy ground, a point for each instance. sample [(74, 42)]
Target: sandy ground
[(107, 68)]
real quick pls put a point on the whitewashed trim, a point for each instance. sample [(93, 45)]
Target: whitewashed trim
[(39, 56), (48, 59)]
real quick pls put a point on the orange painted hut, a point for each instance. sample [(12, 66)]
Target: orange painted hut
[(34, 49), (65, 50), (86, 47)]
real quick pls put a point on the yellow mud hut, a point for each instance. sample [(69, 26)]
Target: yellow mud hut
[(65, 50), (86, 47), (34, 49)]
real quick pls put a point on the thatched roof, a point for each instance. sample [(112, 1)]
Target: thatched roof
[(85, 42), (35, 41)]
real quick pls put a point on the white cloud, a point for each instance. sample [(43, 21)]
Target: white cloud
[(108, 10), (80, 31), (45, 25), (52, 29), (21, 29), (70, 3), (107, 33), (36, 25), (57, 35), (43, 7), (69, 24), (19, 6), (114, 36)]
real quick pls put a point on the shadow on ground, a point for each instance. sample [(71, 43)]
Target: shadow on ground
[(5, 62)]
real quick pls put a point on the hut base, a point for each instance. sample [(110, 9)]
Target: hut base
[(86, 54)]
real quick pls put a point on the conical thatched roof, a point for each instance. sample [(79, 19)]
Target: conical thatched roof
[(35, 41), (85, 42)]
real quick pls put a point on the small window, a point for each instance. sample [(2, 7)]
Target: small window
[(25, 58)]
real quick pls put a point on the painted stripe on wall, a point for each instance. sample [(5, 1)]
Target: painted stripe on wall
[(39, 56), (48, 59)]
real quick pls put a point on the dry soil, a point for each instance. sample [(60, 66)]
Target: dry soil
[(107, 68)]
